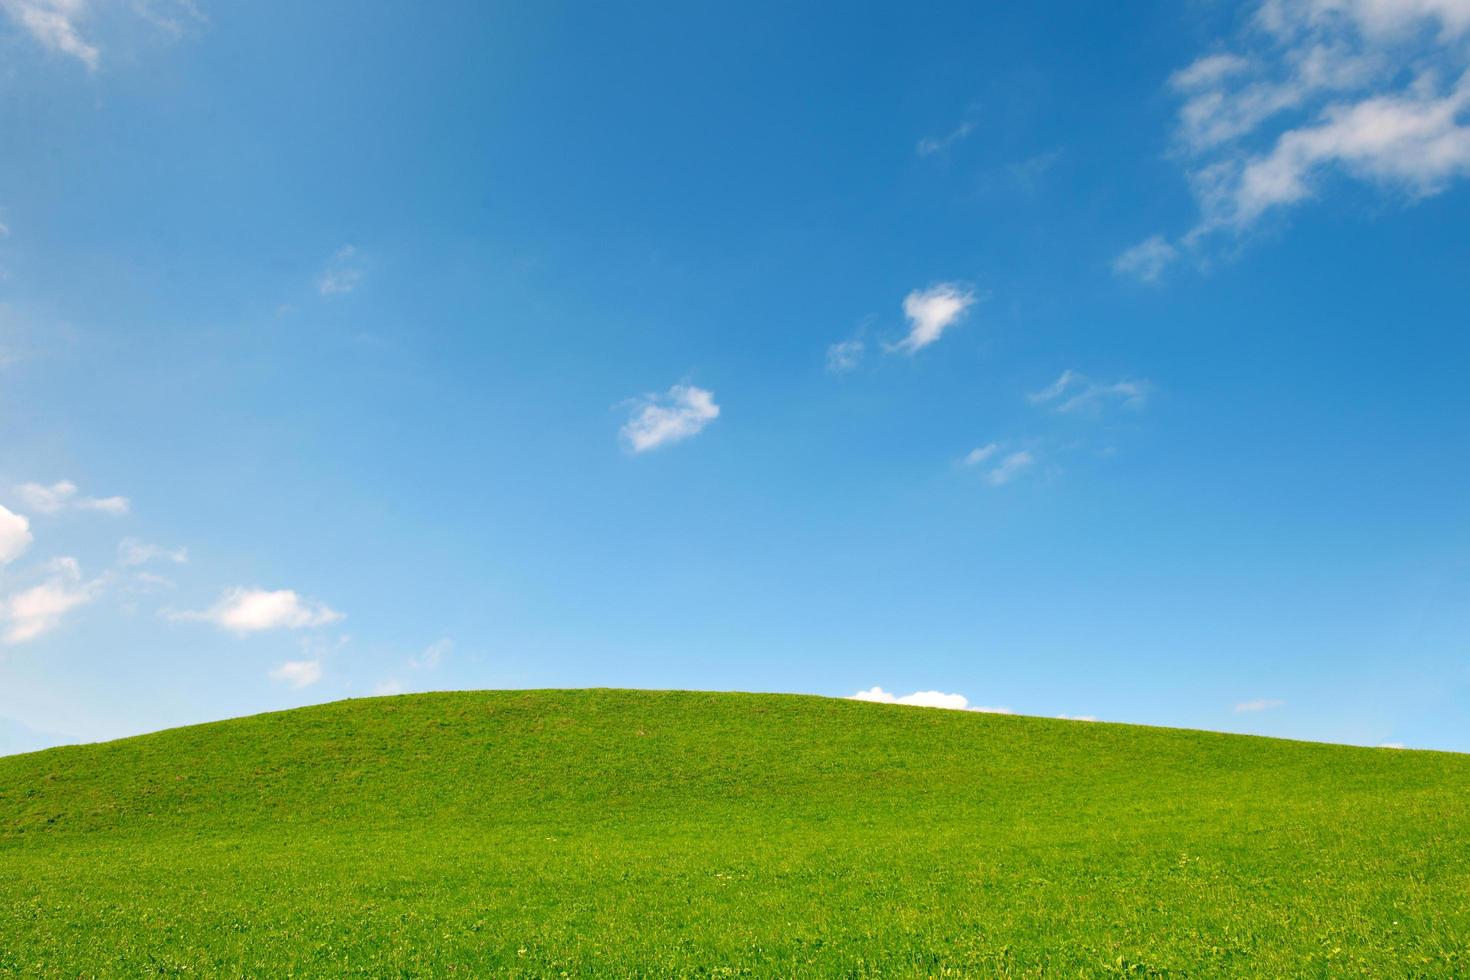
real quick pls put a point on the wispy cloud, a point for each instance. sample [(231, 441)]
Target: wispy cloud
[(659, 420), (931, 312), (39, 609), (242, 611), (62, 25), (980, 454), (15, 535), (1377, 91), (63, 495), (1073, 391), (927, 699), (344, 272), (56, 24), (845, 355), (938, 144), (1259, 704), (132, 552), (1147, 260), (1009, 468), (433, 654), (298, 673)]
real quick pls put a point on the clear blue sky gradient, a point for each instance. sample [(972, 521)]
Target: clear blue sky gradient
[(556, 209)]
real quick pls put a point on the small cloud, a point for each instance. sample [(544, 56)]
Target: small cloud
[(55, 24), (105, 505), (388, 688), (927, 699), (244, 611), (1078, 717), (979, 455), (1391, 745), (39, 609), (845, 355), (63, 495), (1208, 71), (1029, 172), (147, 582), (15, 536), (1072, 391), (1009, 468), (932, 145), (298, 673), (932, 311), (1259, 704), (1147, 260), (433, 654), (132, 552), (344, 272), (659, 420)]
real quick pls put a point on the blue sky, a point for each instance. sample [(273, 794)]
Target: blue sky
[(1098, 360)]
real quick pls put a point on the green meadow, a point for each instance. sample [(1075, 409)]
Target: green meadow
[(622, 833)]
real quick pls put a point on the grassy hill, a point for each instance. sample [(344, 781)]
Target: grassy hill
[(661, 833)]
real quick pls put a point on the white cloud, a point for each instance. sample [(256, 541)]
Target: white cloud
[(1207, 71), (386, 688), (1416, 141), (1072, 391), (298, 673), (1147, 260), (1078, 717), (1391, 745), (131, 552), (105, 505), (1009, 468), (1259, 704), (927, 699), (15, 535), (44, 499), (39, 609), (1376, 91), (242, 611), (63, 495), (980, 454), (932, 145), (56, 25), (932, 311), (344, 272), (433, 654), (658, 420), (845, 355)]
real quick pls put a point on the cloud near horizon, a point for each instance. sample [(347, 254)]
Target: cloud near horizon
[(298, 673), (1259, 704), (927, 699)]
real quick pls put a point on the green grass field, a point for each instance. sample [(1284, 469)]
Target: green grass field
[(656, 834)]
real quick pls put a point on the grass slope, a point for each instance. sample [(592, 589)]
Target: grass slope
[(661, 833)]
